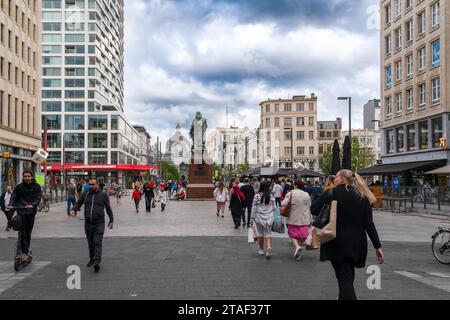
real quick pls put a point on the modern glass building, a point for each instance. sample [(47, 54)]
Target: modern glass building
[(82, 86)]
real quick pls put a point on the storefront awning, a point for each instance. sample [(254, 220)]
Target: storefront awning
[(443, 170), (398, 168), (112, 167)]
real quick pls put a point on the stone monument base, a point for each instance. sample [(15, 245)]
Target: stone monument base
[(200, 183)]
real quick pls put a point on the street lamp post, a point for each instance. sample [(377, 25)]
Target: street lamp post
[(291, 130), (349, 115)]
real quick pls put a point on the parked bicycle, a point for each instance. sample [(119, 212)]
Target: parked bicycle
[(45, 204), (441, 245)]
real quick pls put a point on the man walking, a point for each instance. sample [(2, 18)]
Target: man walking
[(249, 193), (149, 194), (71, 196), (5, 201), (277, 192), (95, 202), (26, 198)]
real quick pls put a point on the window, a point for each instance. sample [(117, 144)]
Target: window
[(311, 121), (421, 56), (421, 22), (388, 76), (277, 122), (53, 122), (54, 157), (74, 140), (311, 135), (74, 122), (390, 141), (398, 39), (400, 139), (300, 107), (287, 151), (267, 107), (300, 135), (388, 14), (277, 107), (74, 157), (311, 107), (409, 4), (398, 7), (436, 53), (409, 31), (53, 140), (411, 137), (300, 122), (311, 151), (435, 14), (398, 102), (409, 65), (287, 135), (75, 106), (436, 89), (98, 122), (288, 122), (437, 132), (268, 136), (300, 151), (398, 70), (410, 99), (423, 135), (422, 95), (287, 108), (267, 122), (51, 106), (388, 104), (388, 44), (98, 140)]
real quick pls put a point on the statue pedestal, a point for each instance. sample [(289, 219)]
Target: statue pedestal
[(200, 183)]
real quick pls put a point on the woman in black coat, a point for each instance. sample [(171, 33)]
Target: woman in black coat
[(237, 206), (354, 220)]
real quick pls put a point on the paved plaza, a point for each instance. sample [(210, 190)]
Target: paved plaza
[(189, 253)]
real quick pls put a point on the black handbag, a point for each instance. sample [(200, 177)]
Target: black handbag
[(324, 216), (16, 222)]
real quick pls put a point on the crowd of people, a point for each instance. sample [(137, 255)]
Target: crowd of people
[(263, 200)]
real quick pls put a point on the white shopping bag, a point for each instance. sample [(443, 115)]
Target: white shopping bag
[(308, 241), (251, 238)]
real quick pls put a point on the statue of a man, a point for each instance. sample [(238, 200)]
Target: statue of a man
[(198, 134)]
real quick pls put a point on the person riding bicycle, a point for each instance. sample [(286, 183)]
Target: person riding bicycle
[(25, 199)]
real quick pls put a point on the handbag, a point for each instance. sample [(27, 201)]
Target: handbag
[(251, 238), (312, 243), (324, 216), (328, 233), (278, 223), (286, 211), (16, 222)]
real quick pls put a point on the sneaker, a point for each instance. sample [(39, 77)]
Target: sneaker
[(218, 215), (96, 268), (261, 252), (269, 253), (297, 254), (223, 217), (25, 258), (90, 263)]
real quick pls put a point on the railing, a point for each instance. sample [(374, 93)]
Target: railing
[(421, 196)]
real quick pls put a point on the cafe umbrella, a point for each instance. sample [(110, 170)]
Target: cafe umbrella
[(336, 163), (347, 156)]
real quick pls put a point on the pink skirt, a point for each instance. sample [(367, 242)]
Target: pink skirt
[(221, 206), (298, 232)]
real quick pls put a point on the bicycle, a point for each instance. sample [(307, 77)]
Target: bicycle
[(441, 245), (44, 205)]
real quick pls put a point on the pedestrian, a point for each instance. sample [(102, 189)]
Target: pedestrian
[(299, 220), (354, 220), (149, 195), (237, 206), (249, 194), (174, 189), (86, 185), (119, 194), (182, 194), (221, 197), (256, 185), (263, 210), (25, 199), (5, 203), (71, 196), (163, 198), (277, 192), (136, 196), (95, 202)]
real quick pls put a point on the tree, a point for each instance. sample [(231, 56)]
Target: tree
[(361, 158), (170, 171)]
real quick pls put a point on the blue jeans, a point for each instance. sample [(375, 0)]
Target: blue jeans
[(70, 200)]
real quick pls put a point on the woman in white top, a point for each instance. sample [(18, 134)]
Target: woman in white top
[(220, 195), (299, 220)]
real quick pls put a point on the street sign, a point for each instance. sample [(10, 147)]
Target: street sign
[(40, 179)]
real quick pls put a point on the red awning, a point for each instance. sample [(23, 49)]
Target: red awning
[(112, 167)]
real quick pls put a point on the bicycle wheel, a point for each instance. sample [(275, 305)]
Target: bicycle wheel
[(46, 207), (441, 246), (40, 207)]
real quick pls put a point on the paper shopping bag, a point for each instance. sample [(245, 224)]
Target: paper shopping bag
[(328, 233)]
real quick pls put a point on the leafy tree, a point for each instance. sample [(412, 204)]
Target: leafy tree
[(170, 171)]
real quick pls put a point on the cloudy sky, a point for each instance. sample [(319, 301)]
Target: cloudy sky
[(184, 56)]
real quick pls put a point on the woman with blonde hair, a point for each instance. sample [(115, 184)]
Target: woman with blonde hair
[(354, 222)]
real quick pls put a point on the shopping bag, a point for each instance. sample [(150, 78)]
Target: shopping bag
[(328, 233), (251, 238), (278, 222), (309, 239), (153, 204), (313, 242)]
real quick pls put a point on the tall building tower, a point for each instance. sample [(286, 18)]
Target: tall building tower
[(415, 93), (83, 84), (20, 55), (372, 114)]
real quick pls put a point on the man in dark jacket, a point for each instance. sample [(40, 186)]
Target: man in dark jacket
[(249, 193), (149, 194), (5, 201), (95, 202), (26, 198)]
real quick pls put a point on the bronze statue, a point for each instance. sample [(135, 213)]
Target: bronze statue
[(198, 134)]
